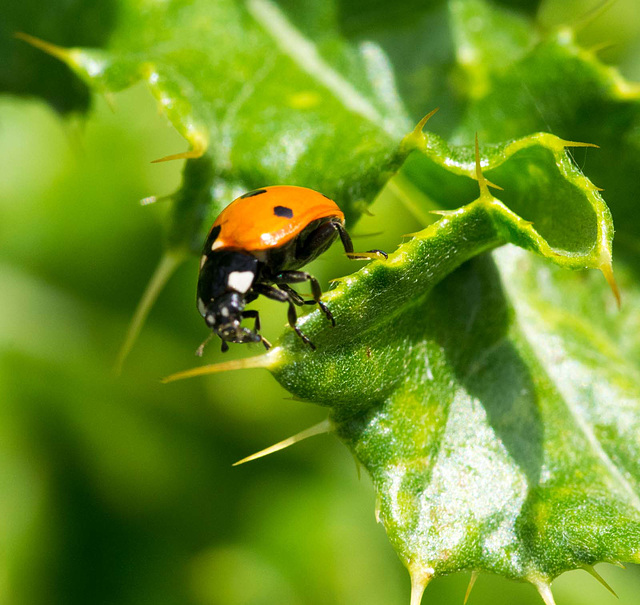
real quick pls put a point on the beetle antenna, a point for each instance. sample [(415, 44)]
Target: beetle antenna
[(317, 429), (205, 342)]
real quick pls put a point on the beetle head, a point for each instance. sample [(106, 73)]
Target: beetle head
[(224, 316)]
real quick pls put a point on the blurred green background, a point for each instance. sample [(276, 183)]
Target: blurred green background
[(121, 490)]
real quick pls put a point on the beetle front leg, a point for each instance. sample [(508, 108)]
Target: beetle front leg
[(254, 314)]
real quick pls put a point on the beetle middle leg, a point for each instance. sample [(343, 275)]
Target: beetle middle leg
[(297, 277), (282, 296)]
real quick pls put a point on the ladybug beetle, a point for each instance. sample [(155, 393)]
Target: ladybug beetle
[(256, 247)]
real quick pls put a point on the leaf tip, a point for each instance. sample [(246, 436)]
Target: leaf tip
[(544, 590), (416, 138), (591, 570), (483, 182), (268, 360), (195, 152), (422, 123), (420, 578), (169, 262), (472, 581), (606, 267), (51, 49), (317, 429), (591, 15), (578, 144)]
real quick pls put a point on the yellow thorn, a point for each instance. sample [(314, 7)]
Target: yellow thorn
[(169, 262), (579, 144), (51, 49), (472, 581), (416, 139), (591, 15), (420, 578), (607, 270), (358, 466), (544, 590), (196, 152), (260, 361), (110, 100), (422, 123), (376, 510), (152, 199), (591, 570), (317, 429), (483, 182), (597, 48)]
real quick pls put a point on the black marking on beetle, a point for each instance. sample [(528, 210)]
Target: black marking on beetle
[(283, 211), (253, 193), (213, 236)]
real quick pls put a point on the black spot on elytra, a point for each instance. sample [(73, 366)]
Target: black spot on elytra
[(254, 192), (283, 211), (212, 237)]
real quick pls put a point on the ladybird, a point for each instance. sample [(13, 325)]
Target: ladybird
[(256, 247)]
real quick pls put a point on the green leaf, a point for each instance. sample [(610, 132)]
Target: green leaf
[(24, 71), (559, 87), (266, 101), (481, 409), (439, 393)]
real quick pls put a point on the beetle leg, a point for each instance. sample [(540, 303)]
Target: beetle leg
[(344, 237), (296, 277), (252, 313), (294, 296), (348, 245), (282, 296)]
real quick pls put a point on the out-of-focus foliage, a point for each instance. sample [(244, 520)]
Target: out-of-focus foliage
[(25, 71), (121, 490)]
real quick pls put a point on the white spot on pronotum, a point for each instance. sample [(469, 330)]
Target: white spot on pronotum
[(202, 307), (210, 319), (203, 260), (240, 281), (217, 244), (224, 312)]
